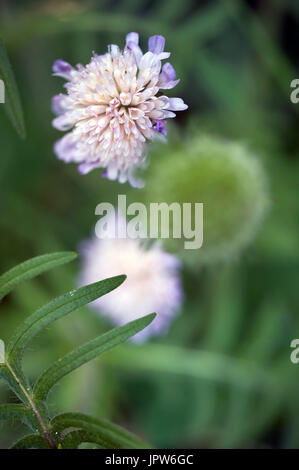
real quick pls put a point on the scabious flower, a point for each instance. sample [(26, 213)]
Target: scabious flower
[(113, 106), (152, 285)]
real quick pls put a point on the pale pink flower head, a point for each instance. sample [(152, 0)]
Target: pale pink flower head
[(153, 281), (113, 106)]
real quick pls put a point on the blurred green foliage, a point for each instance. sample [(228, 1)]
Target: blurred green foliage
[(222, 377)]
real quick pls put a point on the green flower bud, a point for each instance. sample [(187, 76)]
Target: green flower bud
[(227, 179)]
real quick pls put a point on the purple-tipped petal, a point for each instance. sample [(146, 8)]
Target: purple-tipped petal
[(114, 50), (167, 77), (65, 148), (168, 71), (169, 85), (132, 37), (62, 69), (112, 172), (86, 167), (163, 55), (159, 126), (132, 46), (64, 122), (168, 114), (156, 44), (57, 104), (177, 104), (135, 182)]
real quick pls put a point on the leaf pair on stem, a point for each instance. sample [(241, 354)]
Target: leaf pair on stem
[(70, 429)]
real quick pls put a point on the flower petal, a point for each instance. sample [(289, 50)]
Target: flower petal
[(58, 104), (156, 44), (169, 85), (135, 182), (148, 60), (132, 37), (163, 55), (66, 147), (168, 114), (132, 46), (112, 172), (64, 122), (62, 69), (167, 77), (159, 126), (86, 167), (168, 71), (177, 104)]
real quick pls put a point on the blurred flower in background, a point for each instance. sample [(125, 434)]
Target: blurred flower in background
[(114, 106), (153, 283), (227, 179)]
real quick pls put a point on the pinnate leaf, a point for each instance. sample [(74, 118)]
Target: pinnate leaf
[(100, 431), (12, 97), (54, 310), (86, 353), (32, 268)]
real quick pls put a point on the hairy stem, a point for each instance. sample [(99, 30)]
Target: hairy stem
[(33, 407)]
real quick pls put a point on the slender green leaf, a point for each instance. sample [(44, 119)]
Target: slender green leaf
[(6, 375), (12, 97), (2, 352), (31, 268), (204, 23), (275, 61), (206, 365), (111, 434), (32, 441), (74, 438), (86, 353), (54, 310), (17, 411)]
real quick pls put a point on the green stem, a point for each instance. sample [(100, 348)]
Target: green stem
[(50, 441)]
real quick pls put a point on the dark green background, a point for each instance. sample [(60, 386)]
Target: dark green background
[(222, 377)]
